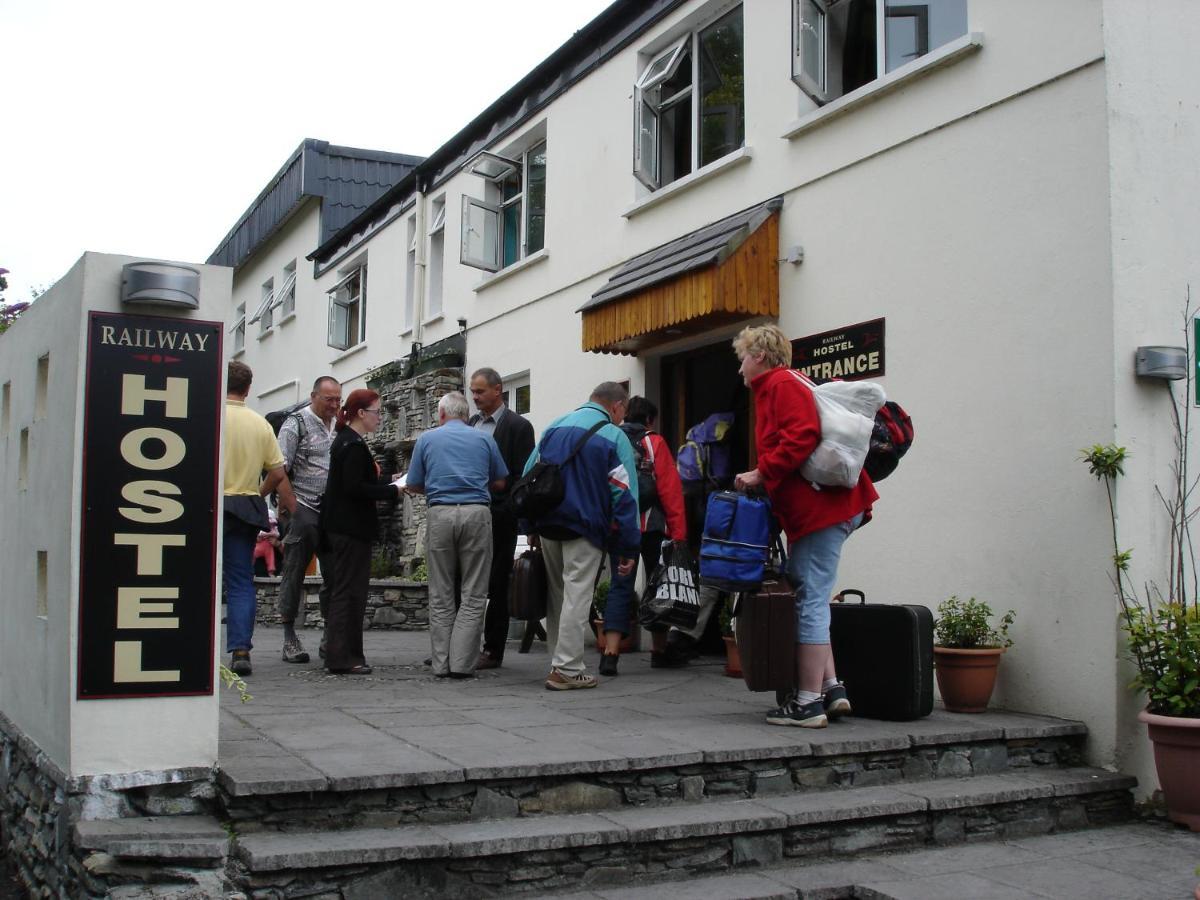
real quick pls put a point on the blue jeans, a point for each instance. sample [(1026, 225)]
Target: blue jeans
[(621, 587), (812, 568), (238, 576)]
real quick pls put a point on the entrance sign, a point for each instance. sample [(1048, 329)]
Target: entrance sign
[(850, 353), (151, 439)]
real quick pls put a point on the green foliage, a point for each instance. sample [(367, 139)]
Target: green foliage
[(600, 597), (235, 681), (421, 572), (1166, 638), (1162, 625), (726, 617), (381, 566), (964, 624)]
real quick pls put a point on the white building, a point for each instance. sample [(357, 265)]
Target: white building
[(1009, 184)]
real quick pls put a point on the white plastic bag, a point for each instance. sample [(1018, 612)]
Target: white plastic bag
[(847, 411)]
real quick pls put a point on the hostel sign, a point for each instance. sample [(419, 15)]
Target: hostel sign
[(151, 438), (849, 353)]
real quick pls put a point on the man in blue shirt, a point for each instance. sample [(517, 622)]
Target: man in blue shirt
[(455, 466)]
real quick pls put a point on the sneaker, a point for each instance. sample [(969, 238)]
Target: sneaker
[(560, 681), (293, 652), (240, 665), (608, 664), (837, 704), (810, 715)]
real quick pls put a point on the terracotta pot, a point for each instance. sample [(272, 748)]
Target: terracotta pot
[(628, 643), (733, 657), (966, 677), (1177, 760)]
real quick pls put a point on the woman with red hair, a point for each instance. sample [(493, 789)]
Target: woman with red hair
[(350, 522)]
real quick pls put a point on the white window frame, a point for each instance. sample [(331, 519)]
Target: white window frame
[(514, 383), (285, 297), (818, 89), (435, 270), (341, 302), (647, 116), (410, 275), (238, 329), (482, 227), (266, 311)]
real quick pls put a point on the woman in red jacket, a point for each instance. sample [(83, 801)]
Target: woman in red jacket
[(661, 517), (817, 519)]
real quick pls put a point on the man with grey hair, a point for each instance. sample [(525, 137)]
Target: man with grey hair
[(305, 438), (455, 465), (514, 436), (598, 514)]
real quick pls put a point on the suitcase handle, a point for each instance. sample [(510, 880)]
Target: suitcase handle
[(841, 597)]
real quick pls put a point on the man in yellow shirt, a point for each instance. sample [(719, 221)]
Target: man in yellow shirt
[(250, 449)]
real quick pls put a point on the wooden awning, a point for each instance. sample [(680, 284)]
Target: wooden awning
[(722, 273)]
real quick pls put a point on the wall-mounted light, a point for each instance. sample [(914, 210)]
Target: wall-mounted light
[(462, 325), (1161, 362), (160, 284)]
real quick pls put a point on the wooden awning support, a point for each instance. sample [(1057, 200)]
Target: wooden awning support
[(722, 273)]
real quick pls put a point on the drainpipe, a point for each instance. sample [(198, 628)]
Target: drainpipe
[(419, 269)]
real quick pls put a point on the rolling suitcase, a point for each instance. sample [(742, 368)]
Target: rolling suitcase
[(527, 587), (766, 635), (884, 656)]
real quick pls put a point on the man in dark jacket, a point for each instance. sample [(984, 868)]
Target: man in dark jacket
[(514, 436)]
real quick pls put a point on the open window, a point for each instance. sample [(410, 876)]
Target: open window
[(840, 45), (238, 329), (689, 103), (509, 222), (437, 254), (285, 297), (262, 312), (347, 309)]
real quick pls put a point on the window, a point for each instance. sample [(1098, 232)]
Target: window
[(23, 460), (690, 107), (410, 273), (285, 297), (42, 389), (516, 394), (347, 309), (265, 314), (840, 45), (6, 408), (437, 253), (510, 223), (42, 601), (239, 328)]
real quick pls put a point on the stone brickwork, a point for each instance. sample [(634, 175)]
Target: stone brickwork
[(391, 603)]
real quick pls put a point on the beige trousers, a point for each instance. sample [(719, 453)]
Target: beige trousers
[(458, 541), (571, 568)]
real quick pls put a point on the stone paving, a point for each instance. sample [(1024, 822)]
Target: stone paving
[(305, 730)]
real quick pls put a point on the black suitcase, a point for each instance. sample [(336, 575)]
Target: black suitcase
[(527, 587), (884, 655), (766, 636)]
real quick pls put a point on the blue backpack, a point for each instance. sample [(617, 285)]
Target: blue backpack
[(736, 543), (704, 455)]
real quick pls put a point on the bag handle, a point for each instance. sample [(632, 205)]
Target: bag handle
[(587, 437), (841, 596)]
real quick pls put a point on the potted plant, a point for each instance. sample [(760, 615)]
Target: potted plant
[(733, 656), (1162, 627), (967, 651)]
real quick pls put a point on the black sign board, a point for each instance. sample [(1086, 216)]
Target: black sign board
[(850, 354), (151, 439)]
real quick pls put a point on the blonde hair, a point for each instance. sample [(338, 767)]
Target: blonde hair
[(767, 341)]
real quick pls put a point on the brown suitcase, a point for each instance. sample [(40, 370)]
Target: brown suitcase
[(766, 636), (527, 587)]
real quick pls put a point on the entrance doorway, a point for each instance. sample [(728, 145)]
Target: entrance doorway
[(697, 383)]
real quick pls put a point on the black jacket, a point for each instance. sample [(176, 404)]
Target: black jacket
[(514, 437), (348, 506)]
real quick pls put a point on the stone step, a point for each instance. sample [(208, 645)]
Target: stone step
[(1143, 859), (587, 774), (561, 851), (192, 839)]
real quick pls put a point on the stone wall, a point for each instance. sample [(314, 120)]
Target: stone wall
[(391, 603)]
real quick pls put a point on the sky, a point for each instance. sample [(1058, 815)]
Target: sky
[(148, 128)]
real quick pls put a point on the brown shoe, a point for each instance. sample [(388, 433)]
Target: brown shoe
[(487, 661), (560, 681)]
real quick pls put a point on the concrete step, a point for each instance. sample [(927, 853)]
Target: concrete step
[(514, 855), (582, 772), (1145, 859), (195, 839)]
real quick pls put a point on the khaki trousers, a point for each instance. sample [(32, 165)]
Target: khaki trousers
[(571, 568), (458, 548)]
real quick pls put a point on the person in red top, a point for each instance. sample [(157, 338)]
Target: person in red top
[(817, 519), (661, 516)]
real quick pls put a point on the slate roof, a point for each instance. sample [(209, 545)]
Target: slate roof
[(707, 246), (346, 180)]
